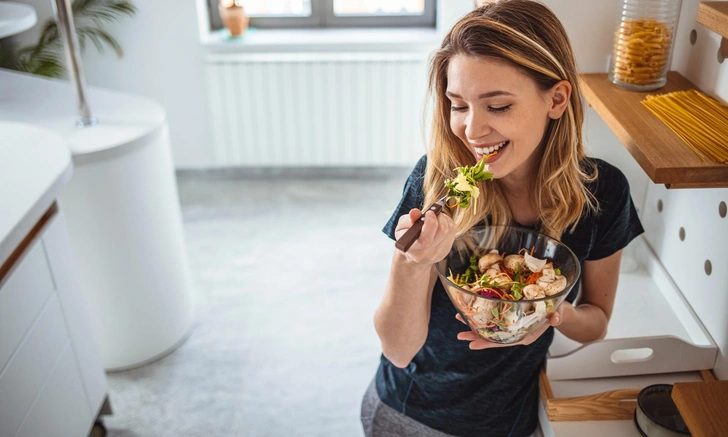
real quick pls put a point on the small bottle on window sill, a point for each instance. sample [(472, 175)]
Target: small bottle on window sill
[(233, 17)]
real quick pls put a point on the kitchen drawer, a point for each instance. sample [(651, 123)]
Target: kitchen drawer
[(61, 408), (22, 295), (28, 369)]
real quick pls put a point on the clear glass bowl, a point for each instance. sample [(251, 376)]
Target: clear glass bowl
[(522, 316)]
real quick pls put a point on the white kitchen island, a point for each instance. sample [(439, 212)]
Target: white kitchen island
[(123, 214), (52, 381)]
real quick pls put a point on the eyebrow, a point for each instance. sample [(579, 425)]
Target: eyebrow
[(482, 96)]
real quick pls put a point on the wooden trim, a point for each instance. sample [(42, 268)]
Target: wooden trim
[(707, 375), (609, 405), (714, 16), (25, 244), (697, 185), (547, 394)]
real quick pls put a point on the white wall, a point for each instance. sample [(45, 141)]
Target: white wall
[(162, 60)]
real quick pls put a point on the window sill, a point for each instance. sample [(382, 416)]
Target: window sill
[(349, 39)]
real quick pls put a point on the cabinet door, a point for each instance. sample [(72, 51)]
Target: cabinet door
[(61, 408), (28, 370), (75, 310), (22, 296)]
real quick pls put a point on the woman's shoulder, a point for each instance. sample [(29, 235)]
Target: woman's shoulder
[(417, 176), (421, 165)]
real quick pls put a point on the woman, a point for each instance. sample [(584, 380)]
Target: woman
[(505, 81)]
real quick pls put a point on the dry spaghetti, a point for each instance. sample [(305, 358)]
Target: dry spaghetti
[(698, 119)]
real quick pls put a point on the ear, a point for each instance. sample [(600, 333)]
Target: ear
[(559, 96)]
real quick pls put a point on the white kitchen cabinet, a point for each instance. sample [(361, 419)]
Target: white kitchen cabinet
[(52, 378), (52, 381)]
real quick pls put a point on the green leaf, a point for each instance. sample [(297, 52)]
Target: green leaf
[(47, 56), (495, 312), (48, 69), (557, 271)]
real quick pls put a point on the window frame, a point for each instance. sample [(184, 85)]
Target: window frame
[(322, 16)]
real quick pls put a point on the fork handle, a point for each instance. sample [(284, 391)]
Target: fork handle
[(409, 237)]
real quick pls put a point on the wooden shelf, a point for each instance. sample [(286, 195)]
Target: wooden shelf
[(703, 406), (714, 16), (662, 155)]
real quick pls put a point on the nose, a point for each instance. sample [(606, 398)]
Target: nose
[(477, 124)]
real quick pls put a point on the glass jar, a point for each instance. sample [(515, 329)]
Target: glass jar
[(643, 43)]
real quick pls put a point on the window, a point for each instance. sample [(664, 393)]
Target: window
[(333, 13)]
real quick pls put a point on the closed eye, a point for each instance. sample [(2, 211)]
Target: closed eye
[(495, 110), (499, 109)]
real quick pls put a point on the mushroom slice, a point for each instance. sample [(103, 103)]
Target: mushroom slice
[(488, 260)]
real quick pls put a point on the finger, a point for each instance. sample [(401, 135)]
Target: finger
[(415, 214), (467, 336), (445, 230), (555, 319), (481, 344), (405, 221), (446, 222), (530, 338), (429, 229)]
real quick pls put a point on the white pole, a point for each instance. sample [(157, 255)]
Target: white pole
[(64, 18)]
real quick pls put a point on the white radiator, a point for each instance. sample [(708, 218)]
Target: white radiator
[(317, 109)]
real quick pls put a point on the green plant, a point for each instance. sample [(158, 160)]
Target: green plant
[(46, 58)]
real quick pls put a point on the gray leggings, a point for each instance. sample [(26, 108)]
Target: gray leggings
[(380, 420)]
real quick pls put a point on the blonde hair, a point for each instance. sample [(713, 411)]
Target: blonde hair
[(527, 35)]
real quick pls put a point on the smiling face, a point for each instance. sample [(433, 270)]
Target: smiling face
[(496, 107)]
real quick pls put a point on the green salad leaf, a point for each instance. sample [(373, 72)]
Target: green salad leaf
[(516, 290), (463, 188), (469, 274)]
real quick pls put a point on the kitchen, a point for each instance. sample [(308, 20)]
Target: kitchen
[(185, 171)]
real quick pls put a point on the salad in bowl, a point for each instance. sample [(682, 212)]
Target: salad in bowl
[(505, 281)]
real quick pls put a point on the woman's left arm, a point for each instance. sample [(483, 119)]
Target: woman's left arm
[(587, 321)]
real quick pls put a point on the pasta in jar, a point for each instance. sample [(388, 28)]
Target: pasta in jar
[(641, 52)]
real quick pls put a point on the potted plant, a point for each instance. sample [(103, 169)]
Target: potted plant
[(46, 57)]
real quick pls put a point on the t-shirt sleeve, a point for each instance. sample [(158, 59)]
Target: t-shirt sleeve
[(617, 220), (413, 196)]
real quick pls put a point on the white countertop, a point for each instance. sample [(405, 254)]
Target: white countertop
[(125, 120), (16, 18), (34, 166)]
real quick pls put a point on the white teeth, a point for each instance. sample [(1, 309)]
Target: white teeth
[(488, 150)]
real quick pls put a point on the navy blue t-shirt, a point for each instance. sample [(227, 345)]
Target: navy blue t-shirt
[(493, 392)]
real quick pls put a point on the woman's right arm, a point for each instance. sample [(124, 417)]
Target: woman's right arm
[(404, 313)]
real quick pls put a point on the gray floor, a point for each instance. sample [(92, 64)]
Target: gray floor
[(287, 271)]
